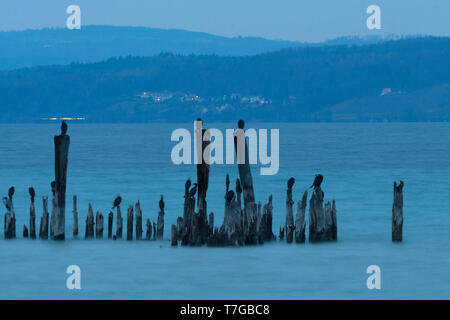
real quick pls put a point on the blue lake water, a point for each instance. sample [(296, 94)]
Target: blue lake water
[(359, 162)]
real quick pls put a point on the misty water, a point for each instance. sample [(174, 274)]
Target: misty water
[(359, 163)]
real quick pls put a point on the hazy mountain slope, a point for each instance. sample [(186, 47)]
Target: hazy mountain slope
[(288, 85)]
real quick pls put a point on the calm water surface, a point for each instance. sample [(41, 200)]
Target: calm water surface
[(359, 162)]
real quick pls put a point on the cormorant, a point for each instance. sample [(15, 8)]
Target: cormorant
[(290, 183), (193, 191), (63, 127), (230, 196), (32, 193), (161, 203), (7, 203), (241, 124), (117, 201), (317, 181), (11, 192)]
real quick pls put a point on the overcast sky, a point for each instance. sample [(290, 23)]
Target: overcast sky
[(312, 20)]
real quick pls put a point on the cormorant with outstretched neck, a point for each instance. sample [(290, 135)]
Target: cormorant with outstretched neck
[(63, 127), (11, 192), (317, 181), (290, 183), (117, 202)]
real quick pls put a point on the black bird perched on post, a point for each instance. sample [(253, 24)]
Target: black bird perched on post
[(290, 183), (63, 127), (11, 192), (317, 181), (161, 203), (32, 193), (229, 196), (187, 185), (7, 203), (192, 191), (117, 201), (241, 124)]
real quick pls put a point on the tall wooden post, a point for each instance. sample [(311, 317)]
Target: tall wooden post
[(43, 228), (99, 226), (245, 173), (160, 226), (110, 224), (32, 214), (119, 223), (61, 157), (138, 214), (75, 217), (130, 223), (300, 224), (397, 213), (289, 227)]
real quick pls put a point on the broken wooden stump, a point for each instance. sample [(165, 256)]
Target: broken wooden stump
[(174, 236), (10, 217), (53, 212), (289, 226), (154, 231), (43, 227), (265, 224), (242, 156), (160, 225), (119, 223), (75, 217), (397, 213), (32, 213), (62, 142), (89, 233), (130, 223), (148, 233), (25, 232), (300, 222), (321, 218), (138, 214), (99, 226), (110, 224)]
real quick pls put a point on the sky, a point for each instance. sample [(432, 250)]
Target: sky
[(299, 20)]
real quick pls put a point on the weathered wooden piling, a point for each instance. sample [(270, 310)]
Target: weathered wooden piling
[(265, 224), (300, 222), (245, 174), (52, 214), (119, 223), (148, 233), (25, 232), (43, 227), (289, 226), (160, 225), (89, 233), (154, 231), (75, 217), (62, 142), (397, 213), (174, 241), (99, 225), (130, 223), (110, 224), (32, 213), (10, 216), (321, 218), (138, 214)]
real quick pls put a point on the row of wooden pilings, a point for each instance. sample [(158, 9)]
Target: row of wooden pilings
[(245, 221)]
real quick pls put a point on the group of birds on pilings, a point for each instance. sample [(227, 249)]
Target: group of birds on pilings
[(322, 219)]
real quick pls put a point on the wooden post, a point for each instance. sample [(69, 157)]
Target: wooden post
[(10, 217), (52, 214), (245, 173), (397, 213), (99, 226), (334, 232), (75, 217), (289, 227), (188, 213), (148, 234), (130, 223), (300, 223), (138, 213), (25, 232), (32, 214), (211, 224), (89, 223), (43, 228), (61, 156), (160, 226), (119, 224), (110, 224), (321, 219), (174, 236), (265, 225), (154, 231)]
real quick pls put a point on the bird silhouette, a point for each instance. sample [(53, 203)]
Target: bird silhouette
[(32, 193), (117, 201), (290, 183), (7, 203), (192, 191), (317, 181), (187, 185), (63, 127), (161, 203), (11, 192), (230, 196), (241, 124)]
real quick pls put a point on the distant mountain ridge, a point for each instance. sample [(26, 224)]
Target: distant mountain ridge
[(96, 43), (404, 80)]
